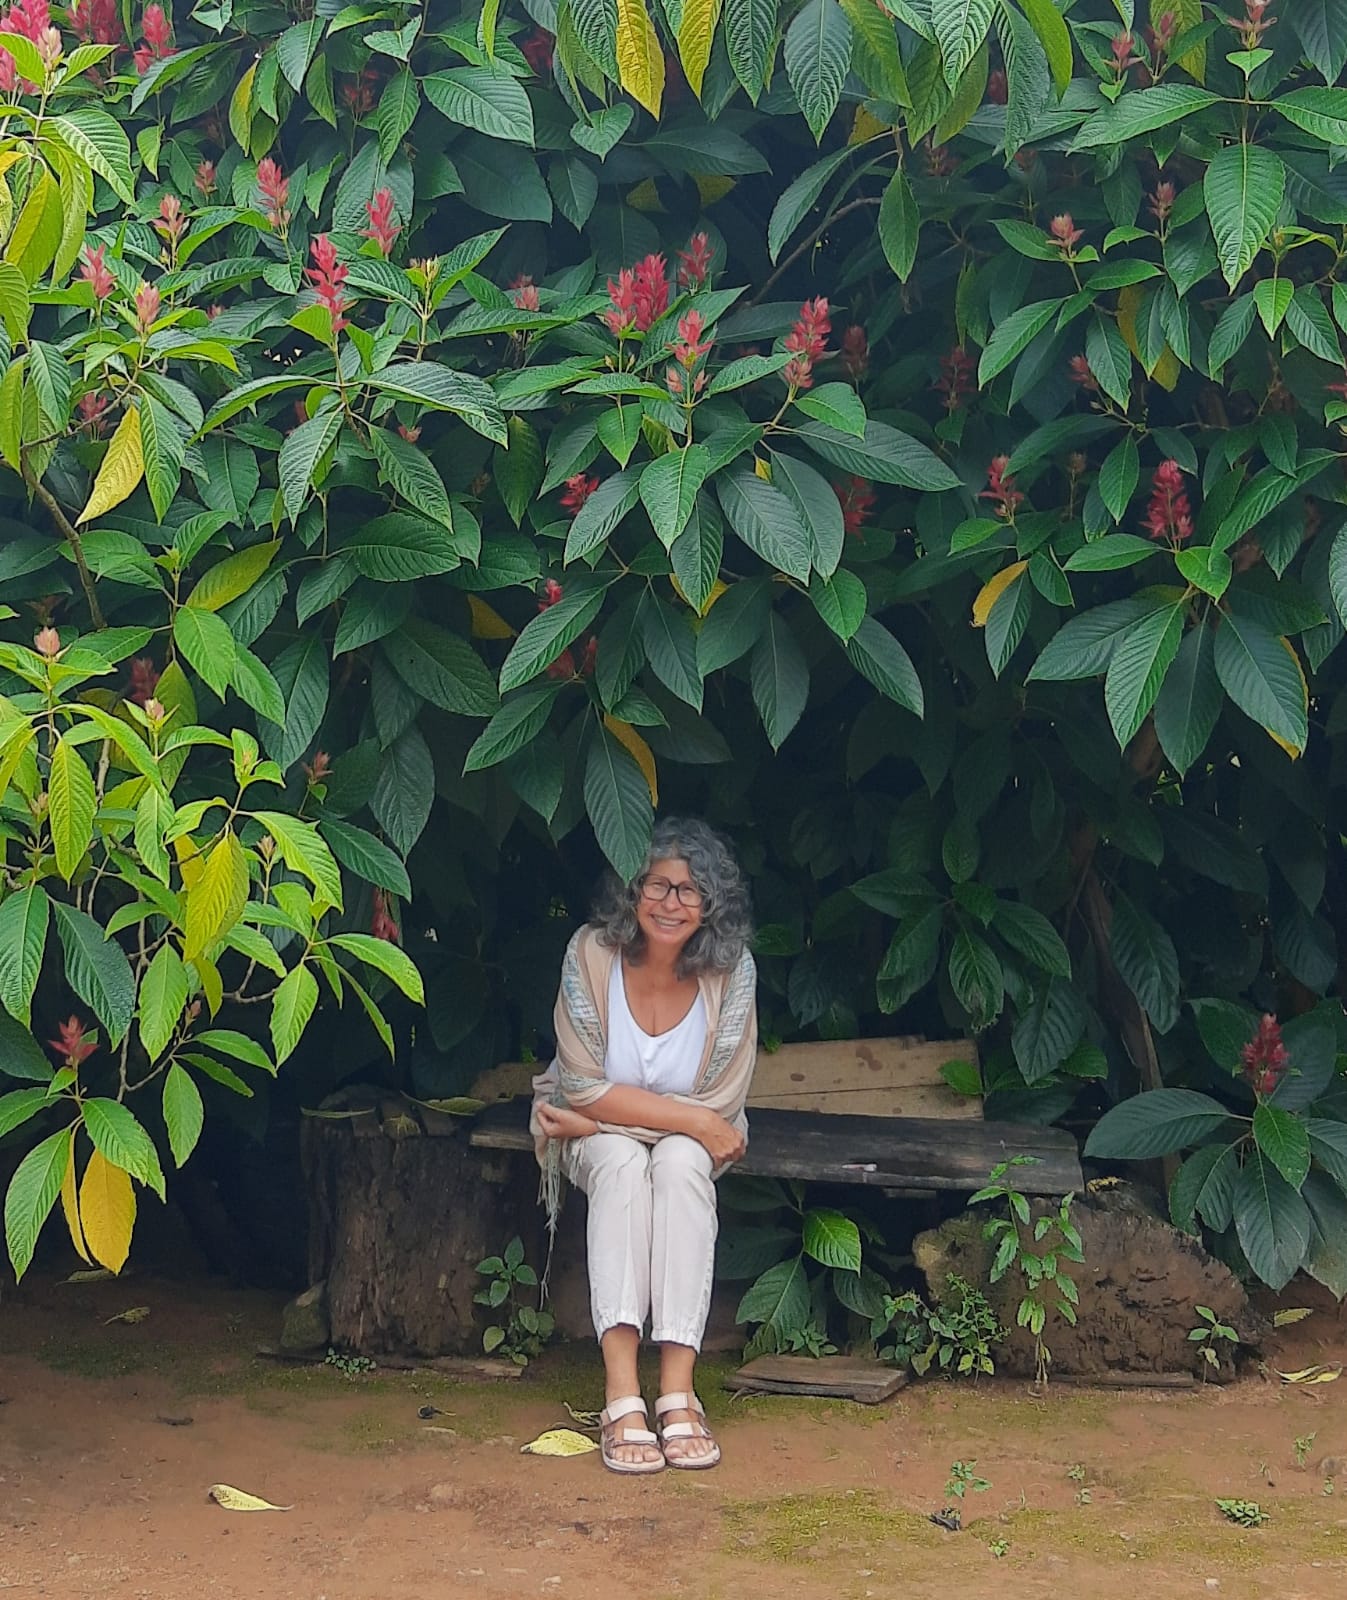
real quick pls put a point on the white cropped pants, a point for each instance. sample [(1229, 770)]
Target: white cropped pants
[(651, 1234)]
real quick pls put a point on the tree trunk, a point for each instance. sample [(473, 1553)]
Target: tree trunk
[(401, 1210)]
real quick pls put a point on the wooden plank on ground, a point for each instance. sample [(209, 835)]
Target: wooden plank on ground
[(923, 1153), (838, 1377), (897, 1077)]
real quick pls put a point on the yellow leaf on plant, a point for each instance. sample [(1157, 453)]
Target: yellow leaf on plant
[(712, 186), (640, 59), (232, 577), (696, 29), (487, 622), (1294, 751), (762, 468), (191, 863), (718, 588), (1188, 14), (241, 107), (865, 125), (232, 1499), (993, 589), (107, 1208), (635, 745), (558, 1442), (645, 197), (122, 469), (216, 899), (70, 1205), (1167, 368)]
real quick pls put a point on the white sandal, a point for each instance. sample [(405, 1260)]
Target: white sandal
[(676, 1431), (610, 1439)]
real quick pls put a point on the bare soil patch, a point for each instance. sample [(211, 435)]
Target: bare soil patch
[(103, 1484)]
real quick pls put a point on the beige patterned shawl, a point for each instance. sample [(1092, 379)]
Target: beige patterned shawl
[(576, 1078)]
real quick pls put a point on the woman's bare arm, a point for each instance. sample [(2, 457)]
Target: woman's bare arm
[(626, 1106)]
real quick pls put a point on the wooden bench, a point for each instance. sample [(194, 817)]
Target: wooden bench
[(868, 1111)]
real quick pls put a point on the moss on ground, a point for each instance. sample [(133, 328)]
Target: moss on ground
[(822, 1527)]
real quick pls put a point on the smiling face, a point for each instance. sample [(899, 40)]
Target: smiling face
[(666, 920)]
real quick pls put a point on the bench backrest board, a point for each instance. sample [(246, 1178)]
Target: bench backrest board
[(897, 1077)]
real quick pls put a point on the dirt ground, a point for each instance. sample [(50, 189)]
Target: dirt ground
[(111, 1434)]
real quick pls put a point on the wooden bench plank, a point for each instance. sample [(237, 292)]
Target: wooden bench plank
[(925, 1153), (898, 1077)]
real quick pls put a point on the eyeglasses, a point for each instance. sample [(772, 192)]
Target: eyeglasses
[(659, 889)]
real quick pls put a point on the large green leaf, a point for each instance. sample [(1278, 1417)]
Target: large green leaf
[(696, 553), (1271, 1220), (301, 451), (1262, 675), (428, 383), (671, 649), (595, 24), (1205, 1186), (518, 721), (545, 636), (1144, 955), (24, 917), (405, 790), (602, 513), (960, 27), (291, 1007), (766, 520), (780, 679), (1013, 335), (884, 455), (976, 978), (833, 1239), (367, 856), (779, 1300), (1138, 667), (1284, 1140), (1047, 1031), (20, 1054), (441, 668), (817, 53), (798, 198), (162, 998), (97, 969), (617, 798), (1243, 188), (817, 507), (750, 41), (1321, 26), (669, 486), (1031, 934), (31, 1194), (488, 98), (1142, 111), (1156, 1123), (877, 655), (121, 1139), (1046, 21), (400, 546), (899, 225), (1084, 647), (1326, 1261), (1190, 699), (184, 1114)]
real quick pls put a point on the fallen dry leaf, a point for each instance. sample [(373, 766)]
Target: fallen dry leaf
[(236, 1500), (131, 1314), (1292, 1314), (558, 1442), (1316, 1374)]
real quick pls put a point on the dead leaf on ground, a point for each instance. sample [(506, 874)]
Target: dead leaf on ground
[(1315, 1374), (1292, 1314), (131, 1314), (90, 1275), (233, 1499), (558, 1442), (590, 1421)]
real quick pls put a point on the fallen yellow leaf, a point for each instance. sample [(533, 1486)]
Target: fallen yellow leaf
[(1284, 1319), (236, 1500), (1315, 1374), (558, 1442), (131, 1314)]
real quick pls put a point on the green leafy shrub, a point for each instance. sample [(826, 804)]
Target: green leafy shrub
[(945, 497)]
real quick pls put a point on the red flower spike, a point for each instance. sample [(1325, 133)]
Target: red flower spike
[(807, 342), (204, 181), (552, 592), (1253, 24), (1124, 53), (148, 301), (857, 500), (96, 21), (651, 292), (47, 642), (1169, 515), (1081, 374), (856, 352), (563, 668), (578, 490), (170, 224), (28, 19), (72, 1044), (1264, 1059), (694, 263), (383, 228), (524, 293), (1001, 490), (998, 88), (621, 315), (590, 657), (275, 191), (93, 269), (158, 35), (319, 770), (1065, 234), (92, 407), (1161, 203), (144, 680), (327, 276), (382, 924), (536, 48), (957, 377)]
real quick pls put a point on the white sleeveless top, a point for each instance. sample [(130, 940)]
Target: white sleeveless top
[(665, 1063)]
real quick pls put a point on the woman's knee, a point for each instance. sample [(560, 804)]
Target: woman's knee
[(615, 1159), (682, 1161)]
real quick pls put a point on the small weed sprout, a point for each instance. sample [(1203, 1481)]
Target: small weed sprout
[(1301, 1447), (1036, 1249), (963, 1479), (526, 1328), (1244, 1513), (1205, 1335), (999, 1547), (349, 1366)]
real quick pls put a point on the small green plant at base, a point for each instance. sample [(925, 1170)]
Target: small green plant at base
[(956, 1336), (1205, 1335), (963, 1480), (1036, 1253), (1301, 1447), (348, 1366), (999, 1547), (526, 1328), (1076, 1473), (1245, 1513)]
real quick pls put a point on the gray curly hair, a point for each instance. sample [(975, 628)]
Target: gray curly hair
[(727, 923)]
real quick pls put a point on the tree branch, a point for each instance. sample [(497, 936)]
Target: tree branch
[(70, 534), (810, 240)]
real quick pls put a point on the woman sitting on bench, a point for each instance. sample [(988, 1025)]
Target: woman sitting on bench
[(643, 1108)]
